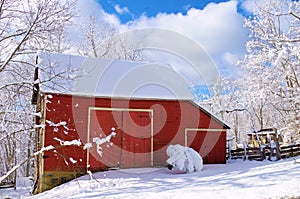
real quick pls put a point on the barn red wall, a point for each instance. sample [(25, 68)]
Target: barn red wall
[(213, 148), (171, 117)]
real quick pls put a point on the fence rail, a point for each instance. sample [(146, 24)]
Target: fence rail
[(250, 153)]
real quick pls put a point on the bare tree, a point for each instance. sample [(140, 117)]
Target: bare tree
[(103, 40), (25, 28)]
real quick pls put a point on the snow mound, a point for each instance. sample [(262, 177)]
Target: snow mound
[(184, 159)]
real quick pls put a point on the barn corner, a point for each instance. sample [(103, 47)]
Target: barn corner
[(46, 179)]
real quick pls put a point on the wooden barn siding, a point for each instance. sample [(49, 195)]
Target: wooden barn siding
[(133, 135), (176, 116), (213, 149)]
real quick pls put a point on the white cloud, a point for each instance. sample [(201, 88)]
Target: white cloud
[(88, 8), (218, 28), (121, 10), (250, 5), (85, 10)]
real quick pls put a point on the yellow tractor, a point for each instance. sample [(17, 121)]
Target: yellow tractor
[(268, 141)]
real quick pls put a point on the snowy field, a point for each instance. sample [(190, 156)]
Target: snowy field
[(237, 179)]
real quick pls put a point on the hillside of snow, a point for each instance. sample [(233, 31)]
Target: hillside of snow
[(236, 179)]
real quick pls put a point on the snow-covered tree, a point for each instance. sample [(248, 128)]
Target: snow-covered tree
[(223, 102), (104, 40), (25, 28), (271, 81)]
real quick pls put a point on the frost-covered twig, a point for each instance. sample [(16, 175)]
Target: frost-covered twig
[(91, 176), (48, 148), (15, 132)]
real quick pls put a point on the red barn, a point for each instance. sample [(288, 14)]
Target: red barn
[(76, 126)]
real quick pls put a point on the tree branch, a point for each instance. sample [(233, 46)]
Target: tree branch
[(28, 32), (294, 15), (24, 161)]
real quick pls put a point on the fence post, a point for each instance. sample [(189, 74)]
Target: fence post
[(245, 152)]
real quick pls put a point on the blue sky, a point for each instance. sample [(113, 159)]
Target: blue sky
[(128, 10), (215, 26), (199, 39)]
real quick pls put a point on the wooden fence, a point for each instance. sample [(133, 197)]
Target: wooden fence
[(249, 153)]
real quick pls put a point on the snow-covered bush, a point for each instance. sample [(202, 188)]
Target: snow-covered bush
[(184, 159)]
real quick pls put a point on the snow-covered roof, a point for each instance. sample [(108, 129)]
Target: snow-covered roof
[(77, 75), (69, 74)]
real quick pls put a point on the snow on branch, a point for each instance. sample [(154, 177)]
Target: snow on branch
[(68, 143), (48, 148), (63, 123), (39, 126), (87, 146), (99, 141)]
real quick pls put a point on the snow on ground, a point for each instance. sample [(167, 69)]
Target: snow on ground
[(236, 179)]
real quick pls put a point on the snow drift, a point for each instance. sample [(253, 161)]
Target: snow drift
[(184, 159), (234, 180)]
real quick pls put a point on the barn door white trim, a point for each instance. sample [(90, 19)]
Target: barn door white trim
[(186, 130), (121, 110)]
